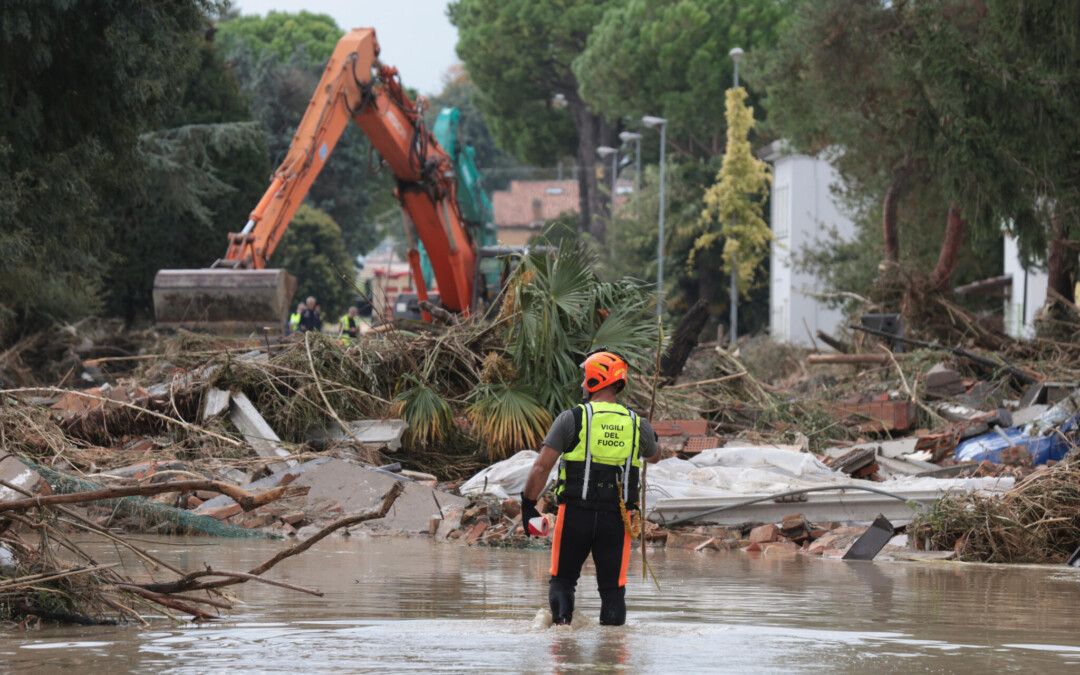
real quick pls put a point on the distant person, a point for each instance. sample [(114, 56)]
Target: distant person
[(599, 446), (294, 320), (309, 317), (350, 326)]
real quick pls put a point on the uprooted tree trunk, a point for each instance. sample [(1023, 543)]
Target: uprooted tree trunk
[(890, 223), (1061, 260), (955, 229), (684, 340), (593, 131)]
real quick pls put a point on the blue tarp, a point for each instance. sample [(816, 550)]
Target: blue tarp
[(1044, 438)]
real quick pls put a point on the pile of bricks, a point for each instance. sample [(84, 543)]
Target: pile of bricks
[(795, 536)]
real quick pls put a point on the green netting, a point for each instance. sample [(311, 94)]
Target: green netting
[(151, 517)]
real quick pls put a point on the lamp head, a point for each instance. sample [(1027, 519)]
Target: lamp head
[(606, 151), (651, 121), (628, 136), (736, 54)]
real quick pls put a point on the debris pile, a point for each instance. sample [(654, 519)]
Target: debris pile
[(1037, 521)]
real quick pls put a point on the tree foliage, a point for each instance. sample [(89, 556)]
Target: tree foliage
[(196, 183), (79, 82), (559, 310), (520, 54), (281, 35), (200, 176), (928, 105), (670, 58), (460, 92), (313, 250), (735, 203)]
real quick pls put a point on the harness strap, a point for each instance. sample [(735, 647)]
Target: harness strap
[(588, 449), (630, 459)]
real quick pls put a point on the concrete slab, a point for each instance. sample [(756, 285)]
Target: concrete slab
[(842, 505), (892, 449), (898, 467), (270, 481), (258, 433), (18, 474), (375, 433), (359, 488), (216, 403)]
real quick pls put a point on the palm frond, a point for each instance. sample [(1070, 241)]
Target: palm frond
[(508, 418), (429, 416)]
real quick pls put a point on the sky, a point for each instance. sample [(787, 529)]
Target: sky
[(414, 35)]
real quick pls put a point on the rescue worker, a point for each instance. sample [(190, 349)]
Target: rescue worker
[(294, 320), (599, 446), (309, 317), (350, 326)]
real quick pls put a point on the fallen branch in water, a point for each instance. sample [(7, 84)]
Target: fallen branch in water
[(189, 581), (245, 499)]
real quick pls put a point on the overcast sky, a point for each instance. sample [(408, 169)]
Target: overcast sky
[(414, 35)]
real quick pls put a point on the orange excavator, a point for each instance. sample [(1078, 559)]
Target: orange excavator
[(238, 293)]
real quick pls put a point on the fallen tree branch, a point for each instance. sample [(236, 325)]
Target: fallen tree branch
[(245, 499), (79, 521), (1016, 373), (32, 579), (188, 583), (715, 380), (438, 313), (171, 420), (838, 345), (169, 601), (851, 359), (184, 598)]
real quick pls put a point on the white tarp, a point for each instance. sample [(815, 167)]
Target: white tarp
[(506, 478), (726, 472)]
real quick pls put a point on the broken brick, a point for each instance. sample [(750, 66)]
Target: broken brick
[(765, 534), (222, 512), (475, 531), (511, 507), (295, 518)]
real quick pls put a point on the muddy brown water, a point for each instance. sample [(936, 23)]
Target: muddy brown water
[(398, 605)]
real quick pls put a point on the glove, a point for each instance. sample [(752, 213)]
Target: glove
[(528, 512)]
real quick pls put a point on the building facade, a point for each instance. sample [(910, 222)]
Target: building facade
[(803, 213)]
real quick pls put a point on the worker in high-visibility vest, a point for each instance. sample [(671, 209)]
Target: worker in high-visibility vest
[(599, 446), (349, 326), (294, 320)]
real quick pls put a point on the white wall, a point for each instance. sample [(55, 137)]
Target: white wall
[(803, 211), (1016, 326)]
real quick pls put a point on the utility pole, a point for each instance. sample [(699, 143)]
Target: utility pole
[(651, 121), (736, 55)]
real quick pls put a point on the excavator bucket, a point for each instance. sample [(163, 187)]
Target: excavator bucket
[(223, 301)]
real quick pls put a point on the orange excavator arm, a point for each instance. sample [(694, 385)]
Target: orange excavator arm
[(426, 186)]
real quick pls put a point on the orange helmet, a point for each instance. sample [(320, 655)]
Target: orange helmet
[(603, 368)]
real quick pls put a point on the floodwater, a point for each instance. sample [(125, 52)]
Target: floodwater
[(396, 605)]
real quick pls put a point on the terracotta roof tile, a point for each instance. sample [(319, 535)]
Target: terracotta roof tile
[(534, 202)]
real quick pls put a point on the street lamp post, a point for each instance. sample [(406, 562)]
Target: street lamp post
[(608, 151), (651, 121), (736, 55), (626, 137)]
